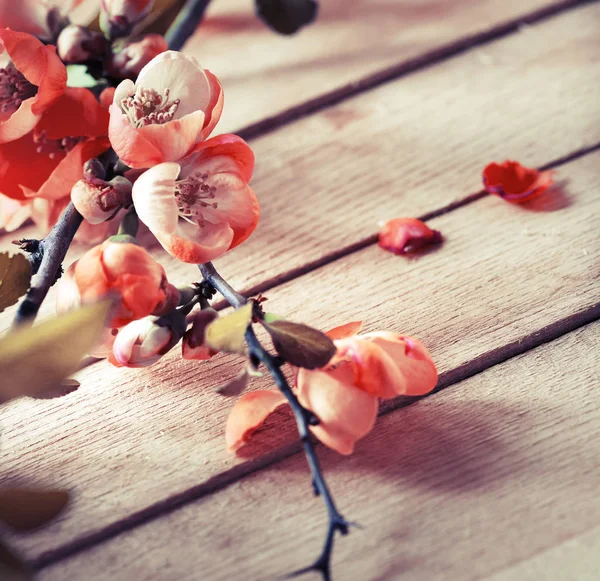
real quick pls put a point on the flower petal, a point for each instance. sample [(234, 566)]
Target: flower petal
[(344, 331), (248, 414), (346, 413), (182, 76), (154, 198), (215, 105)]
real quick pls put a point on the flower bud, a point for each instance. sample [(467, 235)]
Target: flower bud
[(97, 200), (193, 346), (143, 342), (94, 169), (128, 62), (118, 17), (77, 44)]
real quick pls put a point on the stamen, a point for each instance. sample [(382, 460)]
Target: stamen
[(191, 194), (54, 147), (14, 89), (147, 107)]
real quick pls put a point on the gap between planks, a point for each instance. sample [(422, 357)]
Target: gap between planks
[(394, 72), (304, 214), (472, 367)]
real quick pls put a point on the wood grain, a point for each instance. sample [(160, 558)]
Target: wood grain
[(457, 486), (134, 443), (265, 74), (413, 146)]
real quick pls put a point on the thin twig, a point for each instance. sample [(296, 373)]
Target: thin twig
[(304, 418), (54, 249), (185, 24)]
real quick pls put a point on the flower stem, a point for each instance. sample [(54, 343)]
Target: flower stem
[(53, 249), (186, 23), (304, 418)]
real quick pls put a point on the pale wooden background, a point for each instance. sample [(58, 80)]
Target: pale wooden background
[(383, 108)]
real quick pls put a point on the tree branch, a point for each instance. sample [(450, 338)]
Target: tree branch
[(304, 418), (53, 249), (185, 24)]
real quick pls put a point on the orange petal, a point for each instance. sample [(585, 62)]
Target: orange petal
[(346, 413), (344, 331), (403, 235), (248, 414)]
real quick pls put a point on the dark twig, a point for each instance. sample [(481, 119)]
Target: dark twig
[(186, 23), (53, 249), (304, 418)]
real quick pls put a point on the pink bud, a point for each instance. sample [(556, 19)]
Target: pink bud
[(141, 343), (98, 200), (136, 55), (77, 44), (118, 17)]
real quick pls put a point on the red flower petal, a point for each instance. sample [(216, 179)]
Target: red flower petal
[(514, 182), (404, 235), (77, 113), (344, 331)]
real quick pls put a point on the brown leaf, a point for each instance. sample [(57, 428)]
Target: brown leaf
[(227, 333), (24, 509), (15, 278), (12, 567), (301, 345)]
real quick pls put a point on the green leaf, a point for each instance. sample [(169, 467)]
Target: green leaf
[(78, 76), (15, 278), (301, 345), (12, 567), (24, 509), (227, 333), (271, 317), (286, 16), (35, 359)]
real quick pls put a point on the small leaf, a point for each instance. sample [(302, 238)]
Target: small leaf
[(286, 16), (227, 333), (24, 509), (12, 567), (78, 76), (65, 387), (301, 345), (15, 277), (272, 317), (33, 359), (234, 387)]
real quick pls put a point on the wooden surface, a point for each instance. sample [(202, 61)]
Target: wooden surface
[(468, 493), (462, 485)]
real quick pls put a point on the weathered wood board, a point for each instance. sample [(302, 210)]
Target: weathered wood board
[(466, 483), (412, 146), (133, 442)]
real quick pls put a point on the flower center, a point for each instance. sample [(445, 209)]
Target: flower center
[(147, 107), (14, 89), (54, 147), (191, 194)]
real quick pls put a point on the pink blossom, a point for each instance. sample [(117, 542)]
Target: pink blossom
[(201, 207), (30, 84), (173, 105)]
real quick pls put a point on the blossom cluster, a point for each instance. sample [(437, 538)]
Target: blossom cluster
[(138, 144)]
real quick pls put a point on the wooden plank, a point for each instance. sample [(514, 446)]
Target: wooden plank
[(351, 44), (424, 141), (132, 443), (576, 558), (498, 468)]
